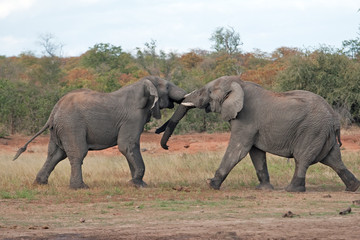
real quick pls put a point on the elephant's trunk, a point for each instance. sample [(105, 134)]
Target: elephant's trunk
[(171, 124), (176, 94)]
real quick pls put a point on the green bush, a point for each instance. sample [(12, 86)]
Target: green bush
[(25, 107)]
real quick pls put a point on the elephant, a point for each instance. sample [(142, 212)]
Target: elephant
[(85, 120), (295, 124)]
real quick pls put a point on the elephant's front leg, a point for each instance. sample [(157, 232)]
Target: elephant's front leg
[(235, 152), (130, 148), (258, 157)]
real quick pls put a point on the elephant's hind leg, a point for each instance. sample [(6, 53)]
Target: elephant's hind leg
[(297, 183), (76, 149), (305, 155), (258, 157), (55, 155), (333, 160), (76, 178)]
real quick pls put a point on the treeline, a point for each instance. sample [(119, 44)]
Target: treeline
[(31, 85)]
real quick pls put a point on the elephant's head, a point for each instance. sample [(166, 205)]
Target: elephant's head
[(164, 92), (223, 95)]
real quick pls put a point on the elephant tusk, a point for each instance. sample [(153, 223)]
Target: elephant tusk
[(186, 95), (188, 104)]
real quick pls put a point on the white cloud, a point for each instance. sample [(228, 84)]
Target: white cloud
[(10, 41), (9, 6)]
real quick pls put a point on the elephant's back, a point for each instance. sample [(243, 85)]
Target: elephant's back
[(80, 104)]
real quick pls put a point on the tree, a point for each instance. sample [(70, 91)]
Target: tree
[(103, 54), (190, 60), (51, 48), (352, 48), (49, 71), (113, 67), (226, 40), (148, 58)]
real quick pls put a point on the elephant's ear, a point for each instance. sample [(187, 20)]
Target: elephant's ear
[(155, 108), (233, 103)]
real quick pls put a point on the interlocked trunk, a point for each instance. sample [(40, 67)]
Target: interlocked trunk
[(169, 127)]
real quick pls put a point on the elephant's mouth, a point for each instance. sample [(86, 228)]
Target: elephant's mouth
[(207, 108), (171, 105), (166, 104)]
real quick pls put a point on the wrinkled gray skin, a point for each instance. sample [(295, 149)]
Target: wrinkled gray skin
[(294, 124), (86, 120)]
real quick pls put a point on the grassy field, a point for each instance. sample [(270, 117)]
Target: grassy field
[(105, 174), (177, 204)]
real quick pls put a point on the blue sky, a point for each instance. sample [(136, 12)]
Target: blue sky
[(177, 26)]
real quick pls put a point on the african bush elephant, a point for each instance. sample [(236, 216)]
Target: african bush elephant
[(294, 124), (84, 120)]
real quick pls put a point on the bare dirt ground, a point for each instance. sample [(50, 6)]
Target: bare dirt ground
[(184, 213)]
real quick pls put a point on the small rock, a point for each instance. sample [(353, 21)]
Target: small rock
[(45, 227), (346, 211), (82, 220), (356, 202), (289, 214), (177, 188), (327, 196), (143, 150), (186, 146)]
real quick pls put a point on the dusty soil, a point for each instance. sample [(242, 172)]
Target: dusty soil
[(187, 143), (182, 212)]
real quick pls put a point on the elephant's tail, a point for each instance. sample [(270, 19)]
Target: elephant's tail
[(337, 132), (23, 149)]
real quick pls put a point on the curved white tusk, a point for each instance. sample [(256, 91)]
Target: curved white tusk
[(188, 104), (186, 95)]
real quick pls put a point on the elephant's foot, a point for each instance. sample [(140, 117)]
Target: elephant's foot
[(351, 182), (292, 188), (296, 185), (80, 185), (213, 183), (265, 186), (353, 187), (40, 180), (138, 183)]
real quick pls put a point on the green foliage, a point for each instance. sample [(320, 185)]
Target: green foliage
[(24, 193), (352, 48), (226, 40), (112, 67), (197, 120), (25, 107), (30, 86), (158, 64), (103, 54)]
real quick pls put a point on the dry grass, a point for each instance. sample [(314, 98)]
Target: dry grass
[(163, 171), (351, 130)]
